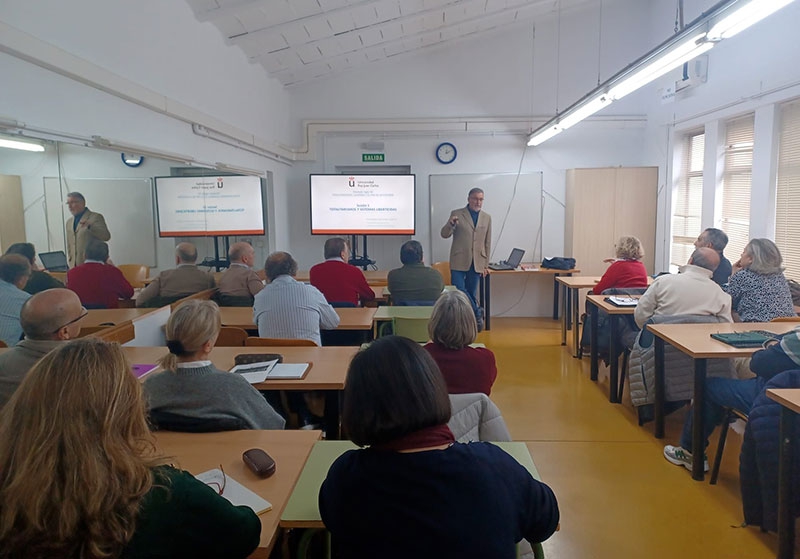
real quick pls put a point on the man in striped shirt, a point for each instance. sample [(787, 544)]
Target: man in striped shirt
[(288, 309)]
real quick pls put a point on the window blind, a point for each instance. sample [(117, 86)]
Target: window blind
[(737, 180), (787, 225), (688, 200)]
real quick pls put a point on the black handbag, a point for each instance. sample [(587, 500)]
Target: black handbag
[(559, 263)]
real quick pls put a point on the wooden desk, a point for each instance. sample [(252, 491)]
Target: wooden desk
[(327, 373), (789, 399), (111, 317), (199, 452), (359, 318), (302, 510), (695, 341), (386, 314), (614, 312), (571, 287), (485, 290), (374, 277)]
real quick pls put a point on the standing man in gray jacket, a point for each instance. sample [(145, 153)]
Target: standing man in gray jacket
[(82, 227), (471, 230)]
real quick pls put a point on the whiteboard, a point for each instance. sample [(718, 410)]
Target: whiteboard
[(126, 205), (511, 199)]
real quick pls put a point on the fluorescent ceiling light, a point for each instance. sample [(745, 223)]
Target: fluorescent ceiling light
[(744, 17), (584, 111), (684, 52), (543, 134), (17, 144)]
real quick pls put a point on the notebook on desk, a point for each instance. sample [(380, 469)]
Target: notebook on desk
[(511, 264), (54, 261), (255, 373), (622, 301), (754, 338), (234, 491)]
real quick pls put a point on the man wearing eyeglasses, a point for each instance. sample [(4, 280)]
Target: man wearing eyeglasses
[(49, 319)]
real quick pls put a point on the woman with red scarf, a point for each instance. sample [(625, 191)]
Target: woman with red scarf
[(414, 491)]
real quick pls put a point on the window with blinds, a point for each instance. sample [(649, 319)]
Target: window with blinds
[(688, 200), (737, 180), (787, 225)]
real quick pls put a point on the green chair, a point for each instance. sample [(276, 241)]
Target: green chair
[(413, 328)]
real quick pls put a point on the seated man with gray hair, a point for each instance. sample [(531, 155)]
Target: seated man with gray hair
[(98, 283), (48, 319), (15, 270), (414, 282), (239, 283), (184, 280)]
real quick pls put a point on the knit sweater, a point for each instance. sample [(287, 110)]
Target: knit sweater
[(622, 273), (183, 517), (208, 393), (340, 282), (466, 370)]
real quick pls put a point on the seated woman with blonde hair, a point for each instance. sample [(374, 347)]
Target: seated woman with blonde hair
[(452, 328), (191, 387), (758, 289), (627, 270), (415, 492), (80, 476)]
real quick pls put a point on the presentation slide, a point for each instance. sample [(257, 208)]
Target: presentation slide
[(362, 204), (209, 206)]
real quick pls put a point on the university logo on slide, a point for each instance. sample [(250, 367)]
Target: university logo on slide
[(351, 181), (219, 182)]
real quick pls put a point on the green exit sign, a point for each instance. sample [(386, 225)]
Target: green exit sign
[(372, 157)]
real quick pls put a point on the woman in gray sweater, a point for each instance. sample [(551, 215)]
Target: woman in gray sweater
[(191, 387)]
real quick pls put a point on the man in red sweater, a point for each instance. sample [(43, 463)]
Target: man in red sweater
[(98, 283), (337, 280)]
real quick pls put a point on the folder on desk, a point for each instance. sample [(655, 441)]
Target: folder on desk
[(619, 301), (234, 491), (255, 373), (744, 339)]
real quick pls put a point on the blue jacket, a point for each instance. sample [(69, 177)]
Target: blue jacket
[(758, 462)]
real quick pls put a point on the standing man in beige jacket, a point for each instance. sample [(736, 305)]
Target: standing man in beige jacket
[(471, 230), (83, 226)]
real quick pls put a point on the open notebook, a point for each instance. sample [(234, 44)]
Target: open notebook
[(259, 372), (234, 491)]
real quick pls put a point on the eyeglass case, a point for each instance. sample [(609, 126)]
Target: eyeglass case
[(259, 462)]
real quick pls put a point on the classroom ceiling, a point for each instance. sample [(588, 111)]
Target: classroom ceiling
[(297, 41)]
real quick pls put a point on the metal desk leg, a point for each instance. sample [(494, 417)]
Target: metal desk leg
[(660, 389), (555, 297), (565, 295), (576, 319), (698, 441), (564, 316), (593, 352), (613, 359), (332, 415), (785, 520)]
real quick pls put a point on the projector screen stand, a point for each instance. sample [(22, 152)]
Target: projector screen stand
[(363, 261), (218, 263)]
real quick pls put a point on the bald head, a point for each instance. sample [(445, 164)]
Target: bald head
[(45, 316), (242, 253), (186, 253), (280, 264), (705, 257)]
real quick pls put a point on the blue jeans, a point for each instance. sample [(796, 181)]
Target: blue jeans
[(722, 393), (468, 282)]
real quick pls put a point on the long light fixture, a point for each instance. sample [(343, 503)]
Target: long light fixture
[(19, 144), (725, 20)]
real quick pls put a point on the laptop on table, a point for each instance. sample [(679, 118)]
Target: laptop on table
[(511, 263), (54, 261)]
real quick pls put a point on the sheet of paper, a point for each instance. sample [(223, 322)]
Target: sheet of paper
[(255, 372), (140, 369), (234, 491), (624, 301)]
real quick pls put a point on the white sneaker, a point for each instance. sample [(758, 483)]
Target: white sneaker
[(680, 457)]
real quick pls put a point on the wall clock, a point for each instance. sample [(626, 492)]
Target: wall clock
[(446, 153)]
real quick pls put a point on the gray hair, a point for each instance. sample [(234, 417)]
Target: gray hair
[(452, 321), (77, 195), (186, 254), (766, 257), (716, 238)]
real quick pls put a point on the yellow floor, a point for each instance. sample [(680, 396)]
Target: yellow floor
[(619, 497)]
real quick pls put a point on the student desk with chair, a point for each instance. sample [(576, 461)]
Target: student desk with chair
[(351, 318), (598, 302), (389, 314), (302, 509), (200, 452), (485, 289), (789, 399), (695, 341), (570, 312), (327, 372)]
